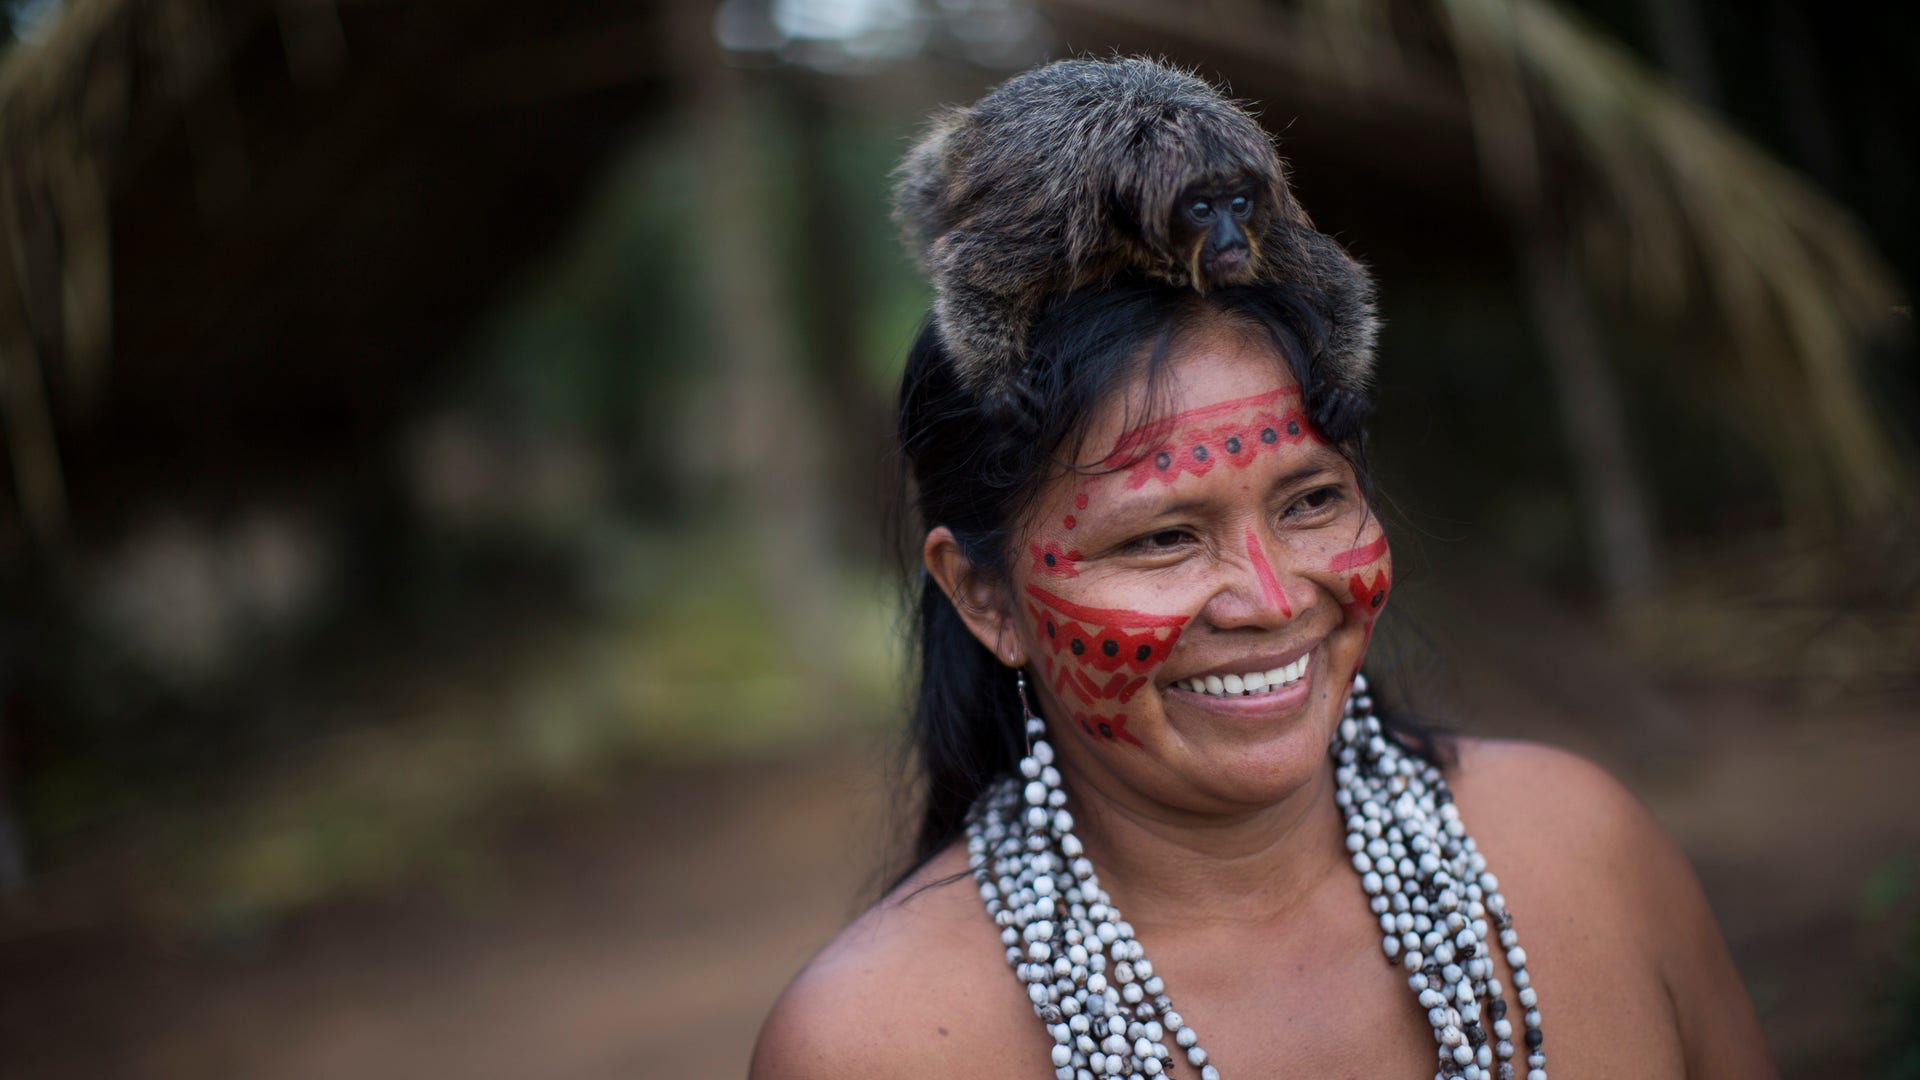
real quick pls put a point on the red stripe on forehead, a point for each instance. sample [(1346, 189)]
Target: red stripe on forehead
[(1159, 429), (1106, 616)]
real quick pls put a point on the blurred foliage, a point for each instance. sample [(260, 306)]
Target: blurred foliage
[(1891, 901), (539, 580), (406, 772), (546, 489)]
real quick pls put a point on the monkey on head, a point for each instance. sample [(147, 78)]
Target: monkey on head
[(1082, 170)]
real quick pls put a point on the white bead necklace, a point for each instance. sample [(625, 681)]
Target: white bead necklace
[(1109, 1014)]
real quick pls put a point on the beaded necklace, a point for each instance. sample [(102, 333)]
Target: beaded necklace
[(1109, 1014)]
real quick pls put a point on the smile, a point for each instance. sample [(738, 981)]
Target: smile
[(1250, 684)]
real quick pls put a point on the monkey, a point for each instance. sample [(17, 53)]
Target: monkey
[(1082, 170)]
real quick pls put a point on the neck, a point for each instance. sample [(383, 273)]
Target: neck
[(1170, 867)]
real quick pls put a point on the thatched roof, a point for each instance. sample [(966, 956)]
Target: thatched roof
[(200, 197)]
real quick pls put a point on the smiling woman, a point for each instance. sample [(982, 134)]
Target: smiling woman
[(1178, 526), (1152, 574)]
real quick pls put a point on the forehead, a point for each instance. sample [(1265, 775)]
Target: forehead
[(1216, 369)]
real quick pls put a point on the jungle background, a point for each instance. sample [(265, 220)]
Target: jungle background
[(449, 619)]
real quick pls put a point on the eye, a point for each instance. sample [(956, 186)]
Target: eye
[(1316, 500), (1240, 205), (1164, 540), (1200, 209)]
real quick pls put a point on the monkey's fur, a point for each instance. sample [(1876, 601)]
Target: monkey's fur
[(1081, 170)]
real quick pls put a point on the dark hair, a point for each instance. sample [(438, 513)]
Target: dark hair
[(977, 465)]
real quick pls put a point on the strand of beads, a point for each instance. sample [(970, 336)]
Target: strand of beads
[(1428, 883), (1089, 980), (1109, 1014)]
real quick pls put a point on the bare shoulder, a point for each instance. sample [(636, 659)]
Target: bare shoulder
[(1560, 827), (1544, 794), (911, 988), (1598, 883)]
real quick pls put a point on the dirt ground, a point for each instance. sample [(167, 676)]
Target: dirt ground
[(644, 934)]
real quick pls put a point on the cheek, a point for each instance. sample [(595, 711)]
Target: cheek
[(1095, 660), (1364, 577)]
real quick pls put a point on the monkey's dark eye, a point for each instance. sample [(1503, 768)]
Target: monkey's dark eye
[(1200, 209), (1240, 205)]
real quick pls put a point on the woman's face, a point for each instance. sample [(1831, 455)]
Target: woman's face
[(1193, 606)]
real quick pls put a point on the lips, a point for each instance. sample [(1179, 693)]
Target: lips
[(1248, 684)]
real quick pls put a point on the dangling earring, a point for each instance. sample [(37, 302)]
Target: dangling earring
[(1028, 718)]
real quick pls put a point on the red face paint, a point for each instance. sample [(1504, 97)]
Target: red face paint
[(1367, 597), (1097, 659), (1194, 441), (1360, 556), (1269, 584), (1053, 560)]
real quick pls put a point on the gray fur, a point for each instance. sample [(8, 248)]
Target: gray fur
[(1070, 174)]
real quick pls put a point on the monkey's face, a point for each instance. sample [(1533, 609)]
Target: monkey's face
[(1217, 228)]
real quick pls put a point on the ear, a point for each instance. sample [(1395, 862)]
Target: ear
[(982, 606)]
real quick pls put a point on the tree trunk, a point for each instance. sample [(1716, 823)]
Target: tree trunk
[(768, 432), (835, 285), (1611, 491)]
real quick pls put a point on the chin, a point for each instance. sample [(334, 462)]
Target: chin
[(1266, 768)]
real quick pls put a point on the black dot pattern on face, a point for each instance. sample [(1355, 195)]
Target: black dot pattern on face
[(1111, 648), (1078, 646), (1199, 453), (1163, 461), (1233, 444), (1143, 652), (1378, 599), (1293, 427), (1051, 561), (1107, 730), (1269, 436), (1050, 628)]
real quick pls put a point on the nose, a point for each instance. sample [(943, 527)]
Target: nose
[(1273, 596), (1253, 594), (1226, 236)]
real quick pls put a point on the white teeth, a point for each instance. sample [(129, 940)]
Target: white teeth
[(1257, 682)]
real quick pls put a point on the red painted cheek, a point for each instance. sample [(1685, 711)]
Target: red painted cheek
[(1369, 595), (1096, 659), (1053, 560), (1361, 556)]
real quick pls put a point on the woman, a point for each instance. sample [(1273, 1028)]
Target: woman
[(1150, 546)]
